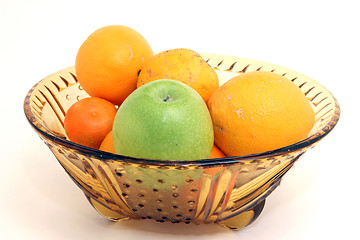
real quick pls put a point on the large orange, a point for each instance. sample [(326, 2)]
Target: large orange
[(108, 62), (257, 112), (89, 120), (184, 65)]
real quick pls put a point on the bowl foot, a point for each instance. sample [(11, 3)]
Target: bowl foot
[(244, 219), (110, 214)]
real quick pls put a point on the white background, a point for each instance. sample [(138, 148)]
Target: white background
[(317, 199)]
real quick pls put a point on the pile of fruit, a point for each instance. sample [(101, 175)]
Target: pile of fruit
[(169, 106)]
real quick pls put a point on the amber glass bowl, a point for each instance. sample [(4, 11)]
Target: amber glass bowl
[(229, 191)]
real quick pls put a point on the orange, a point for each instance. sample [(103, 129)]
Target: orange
[(89, 120), (107, 144), (259, 111), (216, 153), (108, 62), (184, 65)]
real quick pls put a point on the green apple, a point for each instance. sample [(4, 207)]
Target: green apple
[(164, 120)]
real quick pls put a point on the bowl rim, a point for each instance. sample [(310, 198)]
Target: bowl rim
[(105, 156)]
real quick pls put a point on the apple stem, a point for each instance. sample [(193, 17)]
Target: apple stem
[(167, 98)]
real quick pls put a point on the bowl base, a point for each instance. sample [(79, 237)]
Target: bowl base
[(234, 223), (244, 219)]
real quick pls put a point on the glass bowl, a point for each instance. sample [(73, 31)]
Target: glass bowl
[(229, 191)]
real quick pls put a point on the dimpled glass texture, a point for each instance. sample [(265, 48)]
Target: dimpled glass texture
[(228, 191)]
